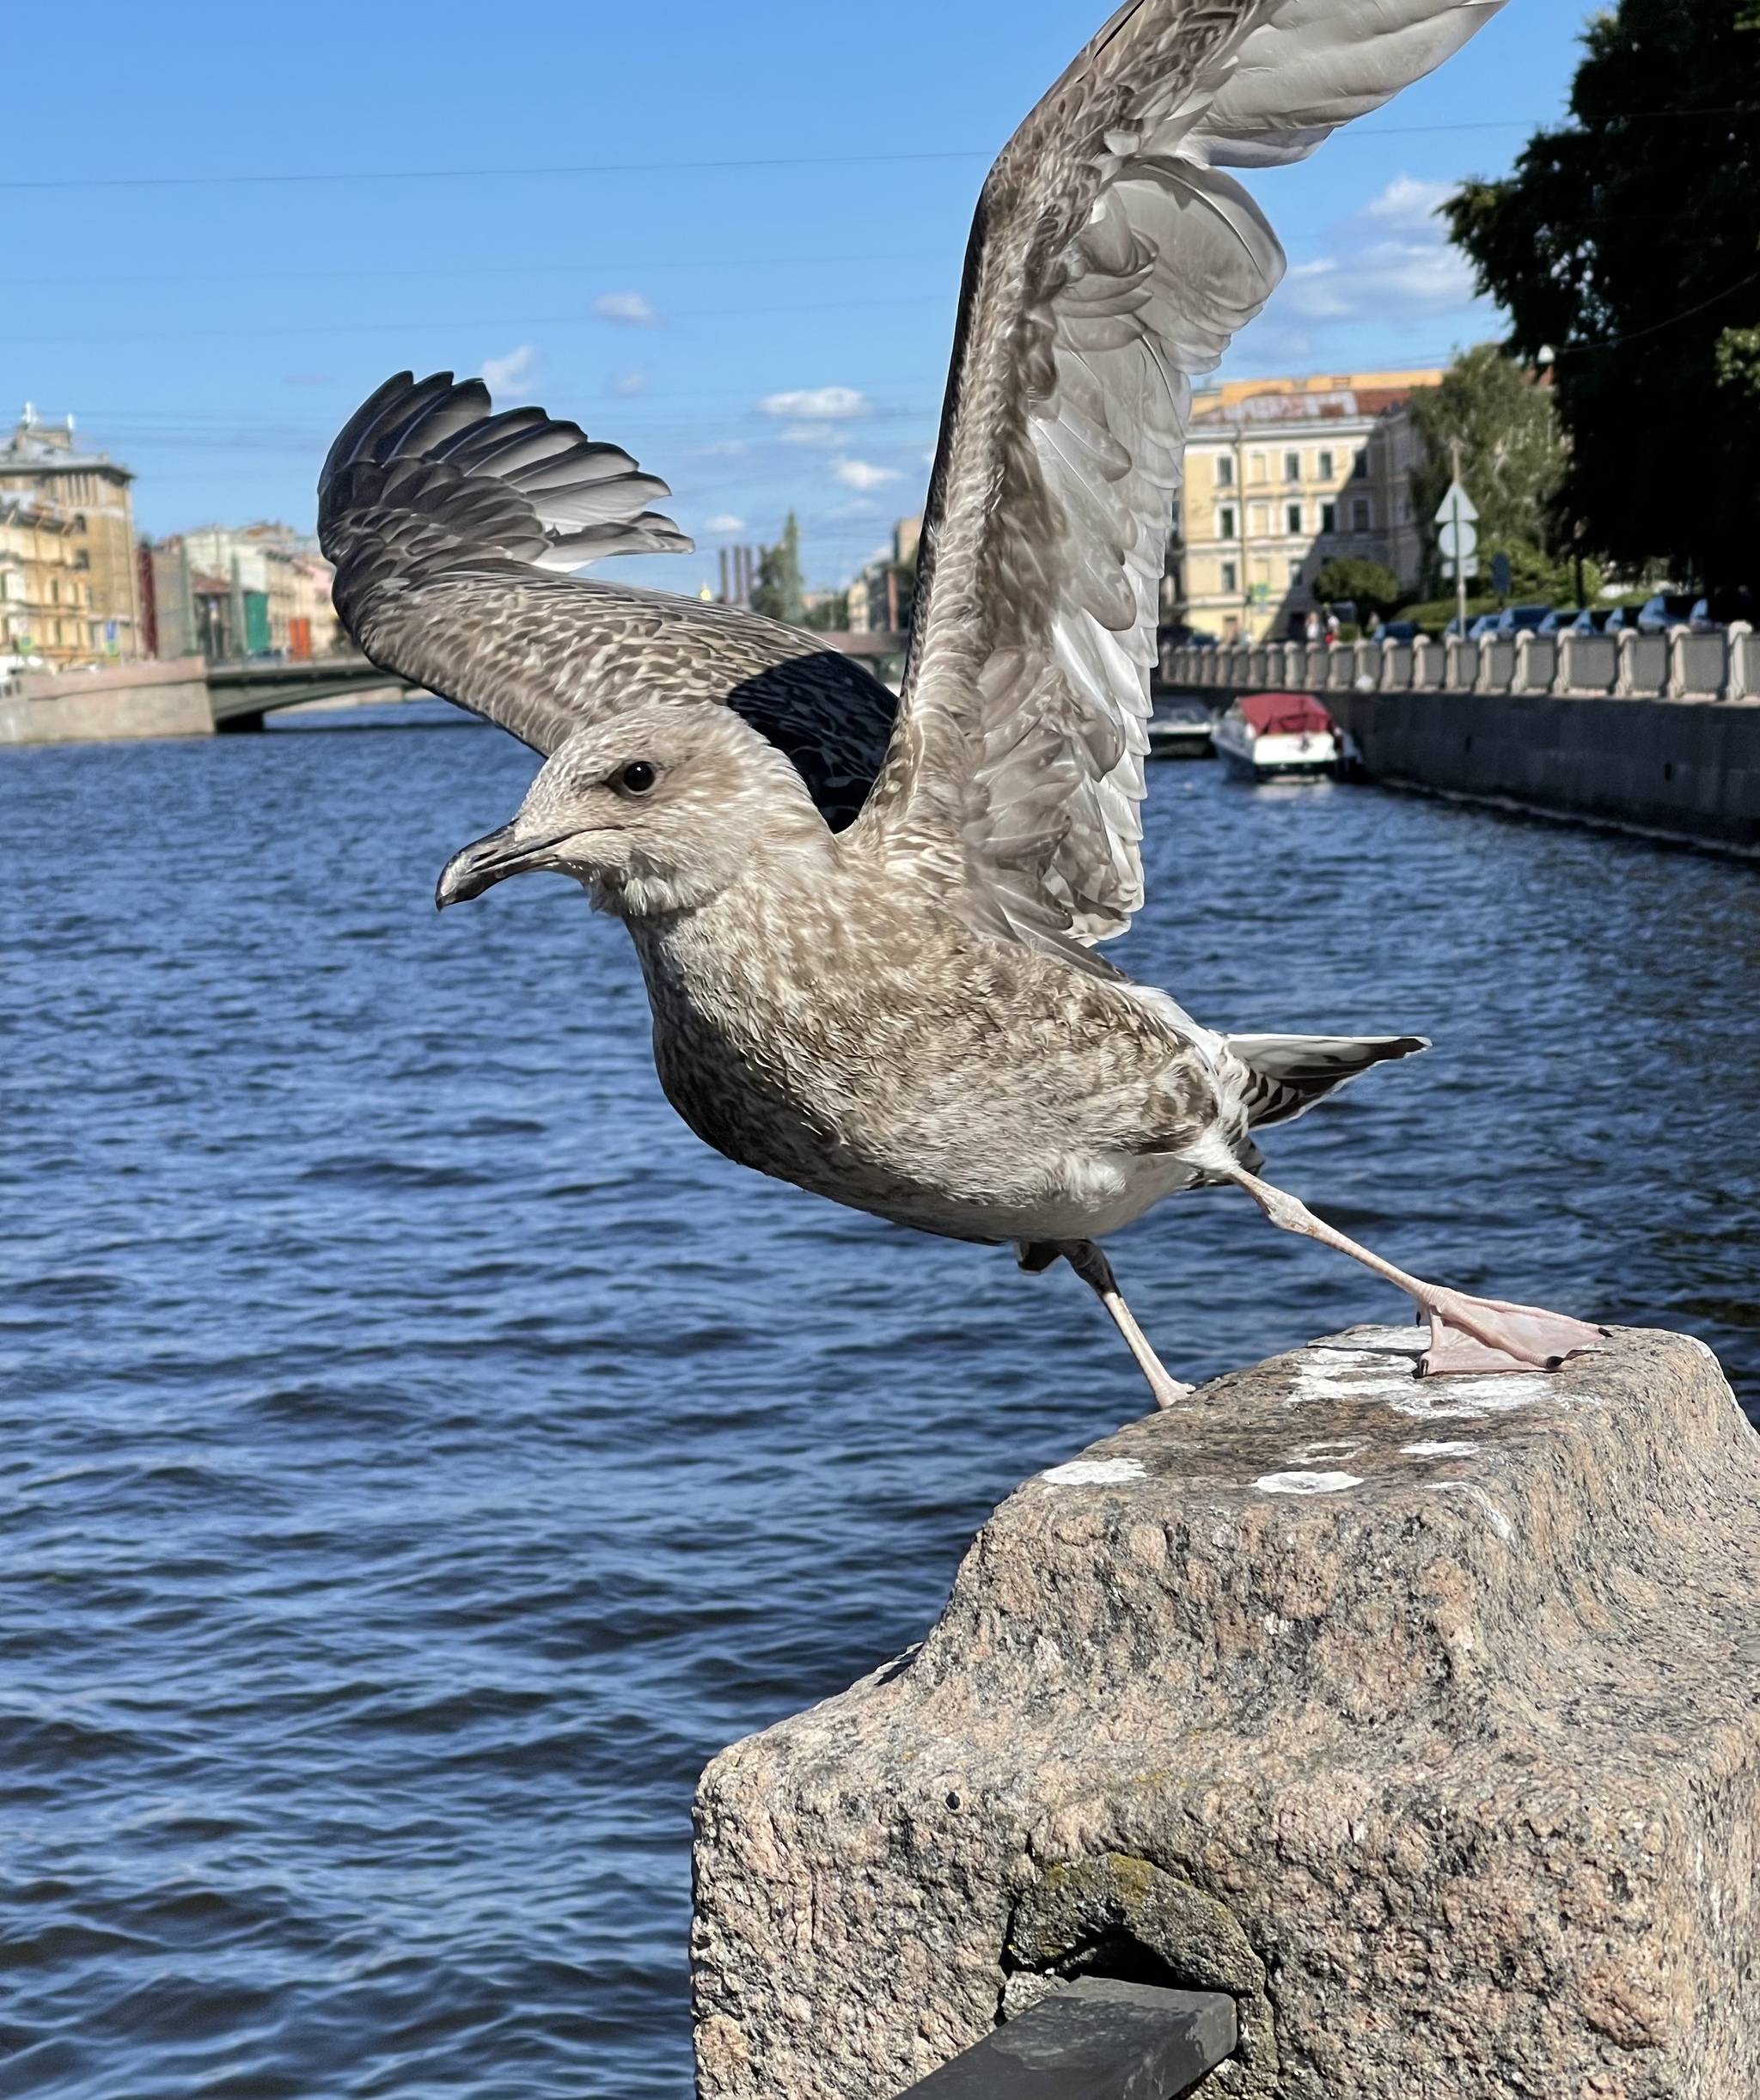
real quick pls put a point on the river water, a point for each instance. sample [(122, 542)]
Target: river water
[(420, 1454)]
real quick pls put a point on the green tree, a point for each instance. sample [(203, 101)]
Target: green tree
[(1368, 586), (1512, 456), (777, 589), (1627, 244)]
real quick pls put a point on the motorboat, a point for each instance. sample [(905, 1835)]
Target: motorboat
[(1278, 736), (1181, 729)]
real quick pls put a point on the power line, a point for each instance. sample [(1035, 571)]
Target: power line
[(502, 322), (816, 159), (637, 168), (479, 175), (545, 266)]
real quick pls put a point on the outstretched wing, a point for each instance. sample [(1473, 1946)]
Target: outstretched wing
[(1108, 262), (448, 525)]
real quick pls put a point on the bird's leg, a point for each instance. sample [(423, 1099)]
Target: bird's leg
[(1466, 1334), (1096, 1271)]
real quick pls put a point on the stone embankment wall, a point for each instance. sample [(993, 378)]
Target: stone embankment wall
[(1653, 733), (130, 701), (1422, 1718)]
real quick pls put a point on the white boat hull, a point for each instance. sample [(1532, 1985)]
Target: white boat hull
[(1310, 755)]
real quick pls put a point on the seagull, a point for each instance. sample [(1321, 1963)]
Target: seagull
[(868, 927)]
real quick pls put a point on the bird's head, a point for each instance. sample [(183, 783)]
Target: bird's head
[(658, 810)]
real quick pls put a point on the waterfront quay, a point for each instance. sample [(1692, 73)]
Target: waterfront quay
[(1655, 734)]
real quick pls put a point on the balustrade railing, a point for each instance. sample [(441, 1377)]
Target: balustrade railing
[(1679, 665)]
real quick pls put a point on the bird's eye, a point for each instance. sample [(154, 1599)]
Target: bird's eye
[(637, 777)]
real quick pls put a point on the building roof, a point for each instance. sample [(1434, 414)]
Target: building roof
[(47, 448), (1329, 396)]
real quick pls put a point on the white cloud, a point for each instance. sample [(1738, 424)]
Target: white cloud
[(502, 374), (816, 404), (627, 384), (1409, 204), (859, 474), (1393, 262), (723, 524), (1384, 280), (631, 307), (812, 434)]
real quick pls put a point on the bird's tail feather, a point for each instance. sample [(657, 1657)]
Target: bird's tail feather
[(1287, 1074)]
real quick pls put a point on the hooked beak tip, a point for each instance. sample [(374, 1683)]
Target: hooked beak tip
[(477, 867), (487, 861)]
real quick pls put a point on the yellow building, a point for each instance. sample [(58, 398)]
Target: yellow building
[(67, 554), (1281, 476)]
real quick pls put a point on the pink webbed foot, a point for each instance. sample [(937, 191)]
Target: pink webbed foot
[(1488, 1335)]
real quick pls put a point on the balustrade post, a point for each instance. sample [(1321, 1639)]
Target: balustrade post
[(1742, 680)]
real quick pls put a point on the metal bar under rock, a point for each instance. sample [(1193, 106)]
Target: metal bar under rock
[(1094, 2039)]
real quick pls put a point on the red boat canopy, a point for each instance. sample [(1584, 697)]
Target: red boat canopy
[(1284, 714)]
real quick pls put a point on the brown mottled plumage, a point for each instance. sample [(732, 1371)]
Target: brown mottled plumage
[(867, 942)]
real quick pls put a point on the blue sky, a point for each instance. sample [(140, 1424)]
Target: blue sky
[(728, 238)]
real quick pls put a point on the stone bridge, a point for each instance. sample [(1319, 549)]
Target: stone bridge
[(187, 696)]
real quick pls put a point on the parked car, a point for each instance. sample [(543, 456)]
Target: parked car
[(1483, 628), (1516, 620), (1566, 620), (1668, 608), (1399, 631)]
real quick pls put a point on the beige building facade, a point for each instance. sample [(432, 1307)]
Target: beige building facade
[(232, 593), (68, 589), (1281, 476)]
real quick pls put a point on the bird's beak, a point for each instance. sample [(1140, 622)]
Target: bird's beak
[(479, 867)]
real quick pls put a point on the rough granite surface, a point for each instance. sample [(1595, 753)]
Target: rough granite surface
[(1421, 1717)]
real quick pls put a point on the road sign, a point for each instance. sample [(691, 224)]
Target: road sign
[(1462, 569), (1457, 505), (1499, 574), (1458, 537)]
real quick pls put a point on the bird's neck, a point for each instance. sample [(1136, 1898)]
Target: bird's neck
[(771, 938)]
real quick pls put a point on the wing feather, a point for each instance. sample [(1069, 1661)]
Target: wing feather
[(1110, 262), (448, 524)]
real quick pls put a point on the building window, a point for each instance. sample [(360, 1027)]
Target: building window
[(1225, 471), (1292, 465), (1231, 577), (1295, 571), (1226, 530), (1326, 466), (1359, 466), (1328, 517), (1292, 517), (1255, 467), (1359, 515)]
